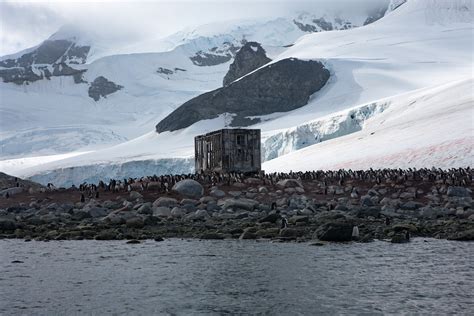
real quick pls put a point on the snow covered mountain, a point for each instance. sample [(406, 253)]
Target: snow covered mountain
[(78, 91), (390, 82)]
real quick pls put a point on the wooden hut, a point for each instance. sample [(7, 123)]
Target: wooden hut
[(228, 150)]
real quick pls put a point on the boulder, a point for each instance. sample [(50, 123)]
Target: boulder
[(249, 233), (289, 183), (145, 209), (254, 181), (371, 211), (7, 225), (118, 217), (207, 199), (177, 212), (404, 227), (299, 219), (366, 200), (407, 195), (411, 205), (135, 222), (135, 195), (467, 235), (268, 232), (189, 188), (200, 214), (96, 212), (271, 218), (165, 202), (191, 201), (335, 231), (217, 193), (458, 191), (291, 233), (161, 211), (399, 238), (246, 204)]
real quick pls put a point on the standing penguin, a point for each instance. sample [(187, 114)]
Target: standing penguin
[(355, 233)]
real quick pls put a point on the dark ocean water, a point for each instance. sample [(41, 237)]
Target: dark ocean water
[(183, 277)]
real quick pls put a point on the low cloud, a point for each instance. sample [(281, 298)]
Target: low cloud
[(25, 24)]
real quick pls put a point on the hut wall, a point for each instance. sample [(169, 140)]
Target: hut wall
[(228, 150)]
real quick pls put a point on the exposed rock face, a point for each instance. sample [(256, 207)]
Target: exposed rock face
[(309, 28), (250, 57), (215, 55), (280, 87), (320, 25), (323, 24), (336, 231), (51, 58), (377, 14), (310, 23), (101, 87)]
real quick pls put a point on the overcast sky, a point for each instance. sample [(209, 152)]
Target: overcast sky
[(28, 23)]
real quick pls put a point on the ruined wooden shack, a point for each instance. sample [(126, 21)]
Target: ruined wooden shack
[(228, 150)]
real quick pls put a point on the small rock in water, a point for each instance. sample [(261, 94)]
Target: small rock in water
[(159, 238), (399, 238), (17, 261), (212, 236), (318, 243), (133, 241)]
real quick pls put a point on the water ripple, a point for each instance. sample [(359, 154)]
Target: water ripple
[(236, 277)]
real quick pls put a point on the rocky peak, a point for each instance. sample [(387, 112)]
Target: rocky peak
[(50, 58), (215, 55), (280, 87), (250, 57)]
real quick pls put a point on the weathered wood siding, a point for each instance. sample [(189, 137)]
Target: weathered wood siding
[(228, 150)]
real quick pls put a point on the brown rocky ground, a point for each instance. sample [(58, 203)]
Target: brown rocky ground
[(315, 209)]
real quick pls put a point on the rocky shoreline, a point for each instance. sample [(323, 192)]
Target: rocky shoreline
[(316, 209)]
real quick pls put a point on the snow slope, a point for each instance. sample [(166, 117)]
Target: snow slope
[(426, 128), (406, 78)]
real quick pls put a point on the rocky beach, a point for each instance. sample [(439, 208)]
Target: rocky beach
[(316, 207)]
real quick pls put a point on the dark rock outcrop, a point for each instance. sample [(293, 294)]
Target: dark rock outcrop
[(280, 87), (375, 15), (101, 87), (310, 24), (323, 24), (309, 28), (335, 231), (165, 71), (250, 57), (215, 55), (35, 65)]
